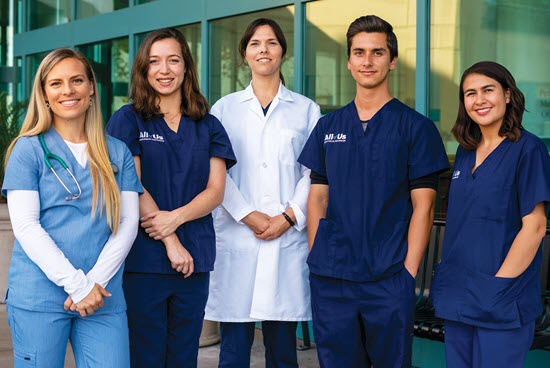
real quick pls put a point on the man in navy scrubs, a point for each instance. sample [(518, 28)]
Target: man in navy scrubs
[(375, 165)]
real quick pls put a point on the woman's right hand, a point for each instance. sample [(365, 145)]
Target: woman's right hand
[(257, 221), (92, 302), (180, 259)]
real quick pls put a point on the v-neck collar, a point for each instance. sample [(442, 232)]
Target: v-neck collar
[(59, 144), (483, 167), (357, 126)]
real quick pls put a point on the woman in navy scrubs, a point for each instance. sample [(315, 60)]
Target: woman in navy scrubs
[(181, 154), (487, 285)]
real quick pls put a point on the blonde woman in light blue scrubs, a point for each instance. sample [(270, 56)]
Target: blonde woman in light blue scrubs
[(73, 202)]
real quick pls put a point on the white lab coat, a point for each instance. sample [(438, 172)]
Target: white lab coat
[(255, 279)]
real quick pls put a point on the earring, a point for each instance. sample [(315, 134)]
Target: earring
[(91, 102), (48, 105)]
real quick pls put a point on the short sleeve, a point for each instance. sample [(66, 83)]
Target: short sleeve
[(23, 169), (313, 153), (426, 152), (123, 125), (533, 178), (130, 181), (220, 146)]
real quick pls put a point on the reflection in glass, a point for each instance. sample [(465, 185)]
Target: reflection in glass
[(110, 62), (509, 32), (227, 71), (44, 13), (327, 79), (33, 61), (192, 34), (89, 8)]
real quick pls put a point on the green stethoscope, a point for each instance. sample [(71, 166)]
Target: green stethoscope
[(50, 156)]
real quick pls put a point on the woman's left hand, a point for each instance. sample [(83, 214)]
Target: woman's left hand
[(278, 225), (160, 224)]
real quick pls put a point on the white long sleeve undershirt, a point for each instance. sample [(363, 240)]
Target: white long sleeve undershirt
[(24, 209)]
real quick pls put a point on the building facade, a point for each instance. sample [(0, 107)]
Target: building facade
[(438, 40)]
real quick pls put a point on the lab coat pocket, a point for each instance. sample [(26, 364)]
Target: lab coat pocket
[(490, 301), (290, 145)]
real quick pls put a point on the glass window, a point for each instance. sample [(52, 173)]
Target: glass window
[(110, 62), (509, 32), (33, 61), (44, 13), (227, 71), (89, 8), (144, 1), (192, 33), (6, 34), (327, 79)]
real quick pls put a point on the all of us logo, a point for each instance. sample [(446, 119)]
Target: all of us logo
[(335, 138)]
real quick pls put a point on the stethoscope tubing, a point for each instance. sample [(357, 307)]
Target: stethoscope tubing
[(49, 156)]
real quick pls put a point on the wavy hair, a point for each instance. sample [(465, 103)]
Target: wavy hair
[(466, 131), (39, 118), (145, 100)]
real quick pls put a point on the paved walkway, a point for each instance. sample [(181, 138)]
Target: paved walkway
[(208, 356)]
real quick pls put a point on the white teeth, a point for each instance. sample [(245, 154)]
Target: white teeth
[(483, 111), (69, 103), (165, 80)]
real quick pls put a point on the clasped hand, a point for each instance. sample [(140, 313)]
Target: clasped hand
[(266, 227), (159, 224), (92, 302)]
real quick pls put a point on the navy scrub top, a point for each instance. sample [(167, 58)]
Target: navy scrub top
[(484, 216), (364, 234), (174, 169)]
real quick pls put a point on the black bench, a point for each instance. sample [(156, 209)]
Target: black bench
[(426, 325)]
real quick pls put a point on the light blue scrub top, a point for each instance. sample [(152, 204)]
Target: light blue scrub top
[(69, 223), (484, 217)]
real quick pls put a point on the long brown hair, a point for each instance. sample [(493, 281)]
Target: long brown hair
[(249, 32), (145, 99), (39, 119), (466, 131)]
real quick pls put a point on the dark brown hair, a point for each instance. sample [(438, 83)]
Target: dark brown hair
[(145, 99), (249, 32), (373, 24), (466, 131)]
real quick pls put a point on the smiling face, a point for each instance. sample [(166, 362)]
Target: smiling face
[(369, 61), (67, 89), (264, 53), (485, 100), (166, 67)]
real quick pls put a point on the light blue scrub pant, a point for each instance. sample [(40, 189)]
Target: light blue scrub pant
[(40, 339)]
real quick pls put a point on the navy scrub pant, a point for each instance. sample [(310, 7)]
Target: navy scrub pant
[(279, 341), (359, 324), (469, 346), (165, 314)]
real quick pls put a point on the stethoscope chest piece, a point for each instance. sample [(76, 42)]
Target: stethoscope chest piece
[(115, 168)]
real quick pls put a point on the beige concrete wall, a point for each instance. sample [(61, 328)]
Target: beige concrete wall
[(6, 245)]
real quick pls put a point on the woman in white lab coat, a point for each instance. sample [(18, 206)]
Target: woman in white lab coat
[(260, 272)]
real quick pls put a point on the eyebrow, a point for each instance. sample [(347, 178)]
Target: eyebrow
[(269, 39), (57, 79), (473, 89), (172, 55)]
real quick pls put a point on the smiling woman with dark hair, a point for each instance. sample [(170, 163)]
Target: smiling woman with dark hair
[(261, 271), (487, 286), (181, 154)]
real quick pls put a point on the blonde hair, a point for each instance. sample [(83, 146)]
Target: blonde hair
[(39, 119)]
